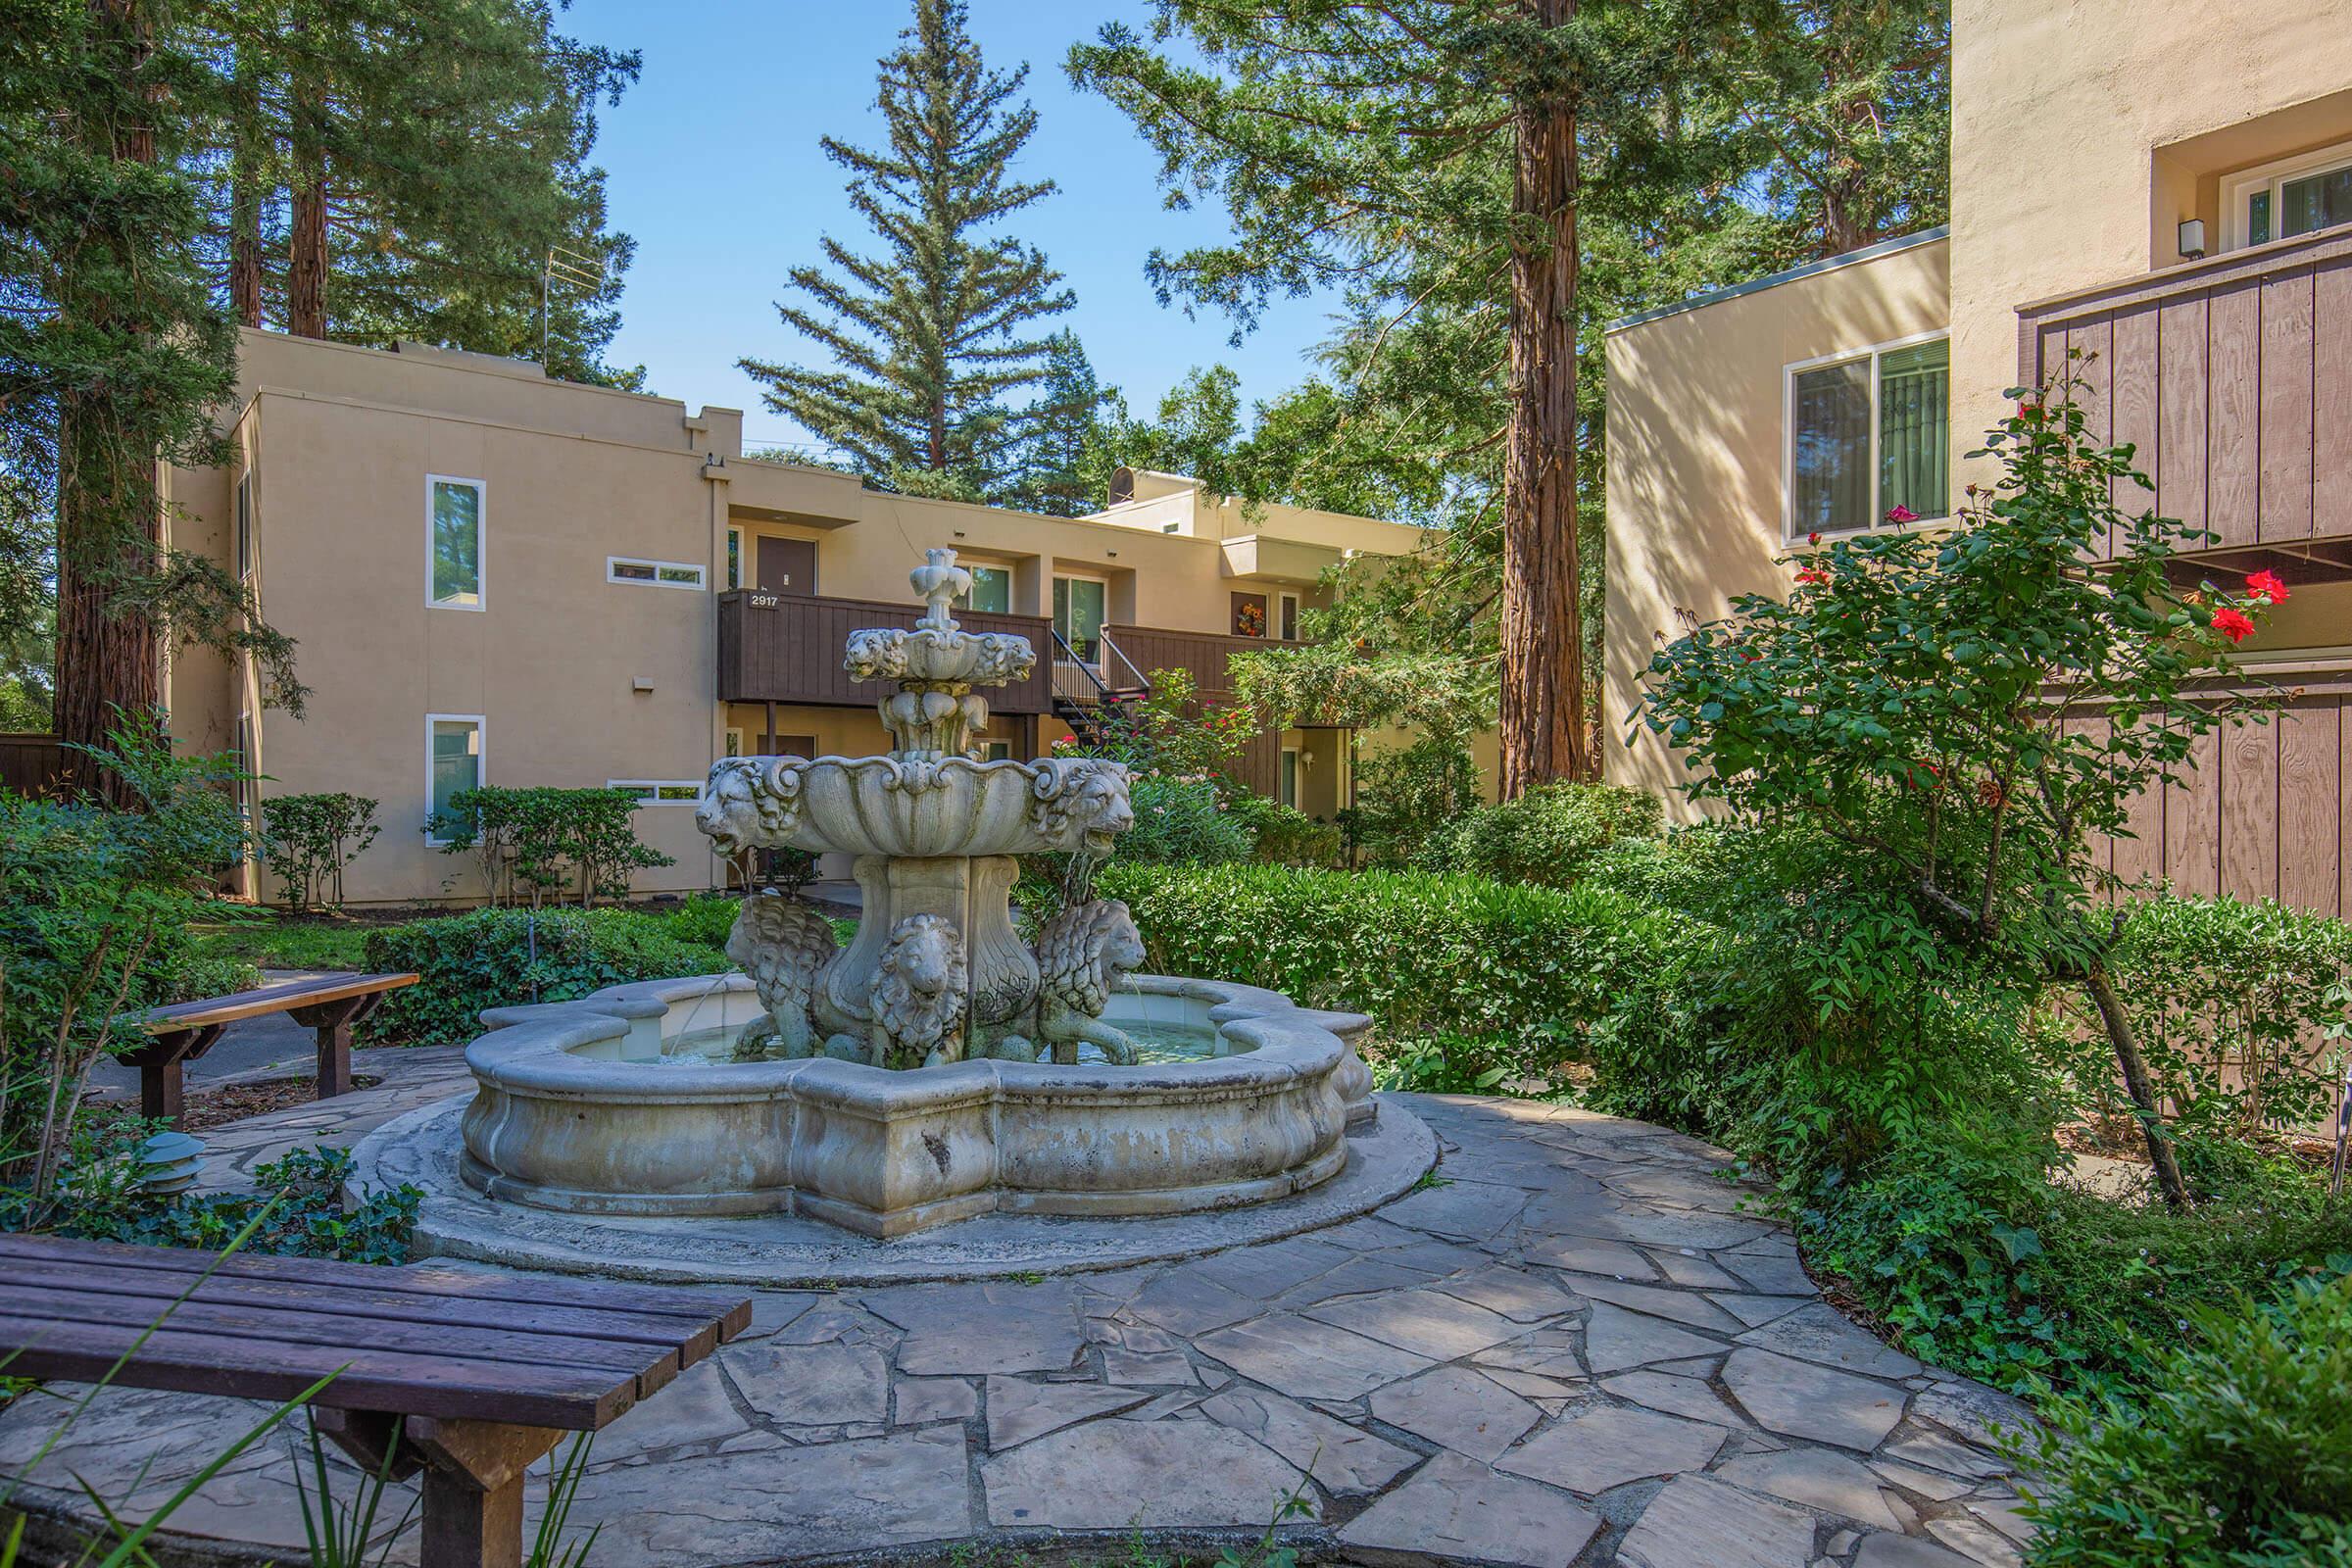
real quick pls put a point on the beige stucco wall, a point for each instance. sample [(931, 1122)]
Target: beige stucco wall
[(340, 442), (2083, 133), (1696, 440)]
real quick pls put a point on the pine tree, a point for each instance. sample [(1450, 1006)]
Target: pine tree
[(389, 169), (1057, 468), (112, 357), (927, 336)]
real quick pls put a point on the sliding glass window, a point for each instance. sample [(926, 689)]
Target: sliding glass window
[(1869, 434)]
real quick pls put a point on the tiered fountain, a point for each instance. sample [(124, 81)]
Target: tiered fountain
[(938, 1067)]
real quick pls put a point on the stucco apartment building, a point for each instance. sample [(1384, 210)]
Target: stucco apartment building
[(497, 578), (2165, 185)]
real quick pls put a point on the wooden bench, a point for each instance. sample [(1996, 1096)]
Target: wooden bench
[(468, 1376), (185, 1030)]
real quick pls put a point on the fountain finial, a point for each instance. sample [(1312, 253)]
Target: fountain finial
[(940, 582)]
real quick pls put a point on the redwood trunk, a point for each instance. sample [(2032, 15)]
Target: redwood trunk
[(107, 522), (305, 256), (1543, 636), (245, 207)]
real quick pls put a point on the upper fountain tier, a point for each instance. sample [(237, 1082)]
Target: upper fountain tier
[(936, 663)]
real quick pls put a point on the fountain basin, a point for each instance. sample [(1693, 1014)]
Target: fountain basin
[(598, 1106)]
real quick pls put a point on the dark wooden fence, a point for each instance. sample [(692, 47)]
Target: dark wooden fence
[(29, 765)]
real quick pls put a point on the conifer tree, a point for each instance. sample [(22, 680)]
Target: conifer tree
[(1059, 469), (930, 336), (112, 357)]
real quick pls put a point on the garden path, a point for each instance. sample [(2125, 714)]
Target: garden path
[(1571, 1347)]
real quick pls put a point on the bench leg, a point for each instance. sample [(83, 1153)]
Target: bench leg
[(159, 1091), (473, 1490), (334, 1059)]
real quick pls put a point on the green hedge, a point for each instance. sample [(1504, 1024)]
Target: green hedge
[(497, 958), (1519, 973), (1550, 835)]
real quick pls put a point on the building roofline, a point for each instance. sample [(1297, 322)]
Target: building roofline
[(1828, 263)]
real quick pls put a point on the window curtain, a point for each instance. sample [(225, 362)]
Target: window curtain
[(1830, 470), (1915, 422)]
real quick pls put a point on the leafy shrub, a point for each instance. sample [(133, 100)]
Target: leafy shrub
[(309, 839), (498, 957), (299, 1204), (1550, 834), (1406, 793), (1182, 820), (538, 841), (1286, 835), (2231, 1002), (704, 920), (96, 909), (1518, 973), (2239, 1456)]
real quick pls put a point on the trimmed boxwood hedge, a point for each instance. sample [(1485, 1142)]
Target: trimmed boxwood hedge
[(1528, 968), (496, 958)]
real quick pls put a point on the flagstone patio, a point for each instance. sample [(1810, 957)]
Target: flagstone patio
[(1570, 1347)]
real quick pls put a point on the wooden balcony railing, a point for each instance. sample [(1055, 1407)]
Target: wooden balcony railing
[(774, 648), (1202, 654), (2231, 377)]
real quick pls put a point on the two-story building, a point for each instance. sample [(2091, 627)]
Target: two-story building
[(496, 578), (2163, 185)]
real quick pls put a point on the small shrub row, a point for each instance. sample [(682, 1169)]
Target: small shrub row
[(535, 843), (1552, 834), (498, 957), (1518, 973)]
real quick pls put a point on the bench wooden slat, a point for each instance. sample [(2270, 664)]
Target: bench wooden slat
[(432, 1280), (574, 1399), (159, 1287), (275, 1327), (269, 999)]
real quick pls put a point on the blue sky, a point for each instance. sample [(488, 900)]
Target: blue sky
[(714, 168)]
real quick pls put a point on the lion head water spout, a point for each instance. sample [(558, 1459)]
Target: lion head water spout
[(937, 972)]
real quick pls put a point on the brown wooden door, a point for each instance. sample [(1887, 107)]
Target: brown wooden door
[(788, 567)]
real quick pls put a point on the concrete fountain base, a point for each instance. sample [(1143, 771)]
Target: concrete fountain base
[(1379, 1163)]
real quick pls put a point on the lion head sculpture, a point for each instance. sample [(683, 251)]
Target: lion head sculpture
[(749, 803), (783, 944), (920, 994), (1079, 804), (1085, 951)]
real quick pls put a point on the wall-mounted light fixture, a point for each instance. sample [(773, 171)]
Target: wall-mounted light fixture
[(960, 533), (2192, 239), (1112, 553), (1306, 758)]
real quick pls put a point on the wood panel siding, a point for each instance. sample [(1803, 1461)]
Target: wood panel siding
[(2263, 815), (1207, 656), (29, 765), (2231, 377), (775, 648)]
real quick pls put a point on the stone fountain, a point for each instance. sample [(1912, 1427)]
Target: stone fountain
[(937, 972), (935, 1069)]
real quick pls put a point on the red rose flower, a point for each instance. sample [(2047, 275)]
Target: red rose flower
[(2266, 586), (1812, 538), (1812, 574), (2232, 625), (2029, 411), (1901, 514)]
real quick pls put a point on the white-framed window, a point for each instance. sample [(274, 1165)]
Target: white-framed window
[(995, 751), (659, 791), (2287, 197), (653, 573), (1286, 617), (1286, 786), (454, 517), (244, 526), (992, 589), (1866, 432), (734, 557), (453, 761), (734, 741)]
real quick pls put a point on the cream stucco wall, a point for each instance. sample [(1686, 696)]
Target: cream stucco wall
[(578, 680), (2084, 132), (1698, 433)]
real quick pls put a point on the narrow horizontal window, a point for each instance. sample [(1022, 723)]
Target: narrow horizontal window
[(658, 790), (655, 573)]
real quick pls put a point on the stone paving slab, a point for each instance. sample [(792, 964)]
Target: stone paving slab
[(1578, 1351)]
